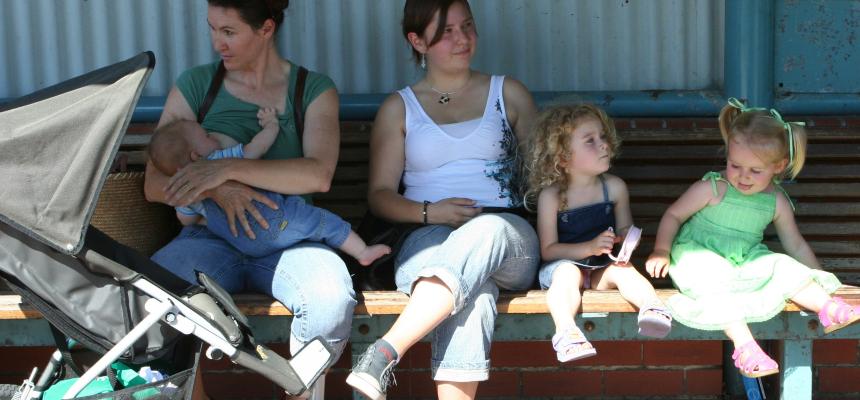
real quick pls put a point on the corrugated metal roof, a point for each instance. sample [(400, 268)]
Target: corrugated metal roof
[(550, 45)]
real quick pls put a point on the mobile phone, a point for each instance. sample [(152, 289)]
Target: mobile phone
[(310, 361)]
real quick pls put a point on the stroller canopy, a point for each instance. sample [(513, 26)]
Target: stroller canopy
[(56, 148)]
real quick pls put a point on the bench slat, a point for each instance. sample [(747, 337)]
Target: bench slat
[(390, 302)]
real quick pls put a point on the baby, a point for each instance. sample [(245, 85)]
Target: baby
[(179, 143)]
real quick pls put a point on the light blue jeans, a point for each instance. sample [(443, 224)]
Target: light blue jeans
[(294, 221), (308, 278), (489, 252)]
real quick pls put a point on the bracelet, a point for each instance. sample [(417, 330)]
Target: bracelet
[(424, 211)]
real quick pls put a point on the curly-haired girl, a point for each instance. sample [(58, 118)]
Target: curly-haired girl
[(582, 213)]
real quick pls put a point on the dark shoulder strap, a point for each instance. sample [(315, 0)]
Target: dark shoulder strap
[(214, 86), (298, 115), (605, 189)]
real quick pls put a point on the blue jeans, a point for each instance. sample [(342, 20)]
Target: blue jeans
[(489, 252), (308, 278), (294, 221)]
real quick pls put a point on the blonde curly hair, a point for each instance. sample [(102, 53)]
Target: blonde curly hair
[(549, 146)]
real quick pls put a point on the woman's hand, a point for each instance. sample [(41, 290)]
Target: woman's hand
[(602, 244), (186, 186), (454, 211), (658, 264), (236, 199)]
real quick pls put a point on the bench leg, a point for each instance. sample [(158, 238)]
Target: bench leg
[(358, 348), (796, 379)]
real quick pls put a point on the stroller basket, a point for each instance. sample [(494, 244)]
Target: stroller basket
[(56, 147)]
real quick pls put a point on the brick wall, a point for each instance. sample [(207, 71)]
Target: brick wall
[(623, 369)]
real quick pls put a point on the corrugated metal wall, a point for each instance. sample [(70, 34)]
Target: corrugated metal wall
[(550, 45)]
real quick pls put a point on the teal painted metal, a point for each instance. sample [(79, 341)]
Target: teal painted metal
[(675, 103), (749, 51), (817, 47), (509, 327), (25, 333), (796, 329), (796, 364), (819, 104)]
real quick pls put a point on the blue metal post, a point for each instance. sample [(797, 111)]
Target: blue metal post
[(749, 51), (796, 379)]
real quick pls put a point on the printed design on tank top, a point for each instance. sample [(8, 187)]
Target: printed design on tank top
[(506, 170)]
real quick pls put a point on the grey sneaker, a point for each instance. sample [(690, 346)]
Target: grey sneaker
[(372, 373)]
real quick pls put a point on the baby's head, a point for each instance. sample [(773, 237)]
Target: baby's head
[(178, 143), (760, 146), (559, 135)]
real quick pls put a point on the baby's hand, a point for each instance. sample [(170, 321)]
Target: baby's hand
[(603, 243), (266, 116), (658, 264)]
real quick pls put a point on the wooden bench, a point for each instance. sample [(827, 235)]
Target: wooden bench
[(658, 165)]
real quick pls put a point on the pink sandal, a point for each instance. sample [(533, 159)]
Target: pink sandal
[(571, 344), (845, 315), (756, 363), (654, 321)]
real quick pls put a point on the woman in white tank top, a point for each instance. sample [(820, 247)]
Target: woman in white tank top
[(453, 139)]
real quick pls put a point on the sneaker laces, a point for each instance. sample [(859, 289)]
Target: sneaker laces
[(387, 377)]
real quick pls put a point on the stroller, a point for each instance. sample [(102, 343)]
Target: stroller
[(56, 148)]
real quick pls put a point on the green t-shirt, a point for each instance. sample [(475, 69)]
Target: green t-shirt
[(238, 119)]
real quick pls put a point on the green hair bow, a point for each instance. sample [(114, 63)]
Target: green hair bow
[(734, 102)]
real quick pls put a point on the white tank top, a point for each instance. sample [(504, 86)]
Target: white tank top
[(481, 165)]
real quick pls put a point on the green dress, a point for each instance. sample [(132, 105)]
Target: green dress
[(724, 272)]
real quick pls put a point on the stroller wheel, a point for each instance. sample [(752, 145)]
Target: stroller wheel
[(7, 391)]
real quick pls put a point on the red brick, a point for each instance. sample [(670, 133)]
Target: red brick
[(411, 385), (501, 384), (615, 353), (705, 381), (25, 358), (683, 352), (345, 360), (839, 379), (239, 385), (644, 382), (336, 387), (418, 356), (573, 383), (835, 351), (522, 354), (541, 354)]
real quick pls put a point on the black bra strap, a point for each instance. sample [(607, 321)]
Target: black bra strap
[(298, 114), (214, 86)]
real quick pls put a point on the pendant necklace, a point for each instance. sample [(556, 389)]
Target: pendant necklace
[(445, 97)]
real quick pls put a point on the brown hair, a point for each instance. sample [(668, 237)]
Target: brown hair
[(169, 148), (766, 134), (550, 143), (256, 12), (417, 15)]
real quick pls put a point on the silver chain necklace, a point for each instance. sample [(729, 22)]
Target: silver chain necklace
[(445, 97)]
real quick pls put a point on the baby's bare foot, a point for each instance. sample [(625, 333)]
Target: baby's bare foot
[(372, 253)]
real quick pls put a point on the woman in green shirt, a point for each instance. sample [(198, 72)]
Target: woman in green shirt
[(243, 33)]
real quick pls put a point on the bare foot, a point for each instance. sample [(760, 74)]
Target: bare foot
[(371, 253)]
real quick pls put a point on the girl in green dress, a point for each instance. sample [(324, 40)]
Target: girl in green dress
[(726, 276)]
